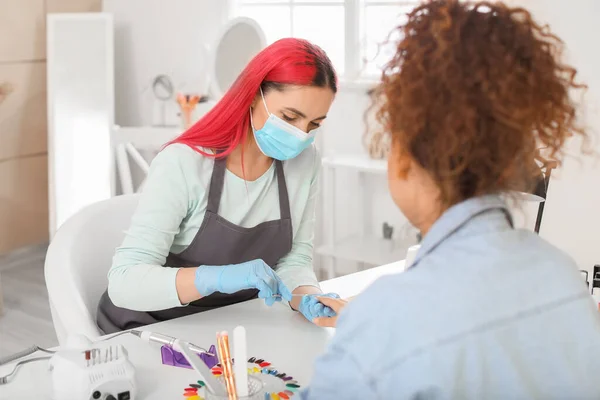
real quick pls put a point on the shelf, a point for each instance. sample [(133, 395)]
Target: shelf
[(361, 163), (369, 250)]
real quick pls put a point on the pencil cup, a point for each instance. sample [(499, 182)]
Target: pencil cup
[(255, 391)]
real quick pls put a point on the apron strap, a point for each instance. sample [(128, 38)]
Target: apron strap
[(284, 198), (216, 185)]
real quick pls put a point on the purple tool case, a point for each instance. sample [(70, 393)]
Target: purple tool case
[(176, 359)]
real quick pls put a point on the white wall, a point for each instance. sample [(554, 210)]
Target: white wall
[(161, 37), (572, 216)]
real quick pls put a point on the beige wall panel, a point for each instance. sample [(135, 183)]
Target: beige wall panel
[(23, 121), (23, 202), (22, 30), (60, 6)]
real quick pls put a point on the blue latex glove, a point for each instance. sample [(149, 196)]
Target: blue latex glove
[(255, 274), (311, 308)]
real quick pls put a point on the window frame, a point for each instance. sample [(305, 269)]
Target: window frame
[(354, 30)]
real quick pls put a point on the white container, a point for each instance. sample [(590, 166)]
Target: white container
[(596, 297), (411, 254)]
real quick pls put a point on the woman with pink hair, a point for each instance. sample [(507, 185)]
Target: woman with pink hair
[(228, 209)]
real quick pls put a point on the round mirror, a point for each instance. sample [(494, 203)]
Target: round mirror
[(239, 42)]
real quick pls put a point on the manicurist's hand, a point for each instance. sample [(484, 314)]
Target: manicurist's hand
[(255, 274), (332, 303)]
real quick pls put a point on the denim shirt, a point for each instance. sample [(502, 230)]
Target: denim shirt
[(485, 312)]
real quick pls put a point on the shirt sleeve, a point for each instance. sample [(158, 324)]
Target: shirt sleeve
[(296, 268), (137, 279)]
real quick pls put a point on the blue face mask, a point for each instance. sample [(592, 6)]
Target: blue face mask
[(279, 139)]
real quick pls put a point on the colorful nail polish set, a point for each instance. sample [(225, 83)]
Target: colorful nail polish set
[(278, 385), (191, 392)]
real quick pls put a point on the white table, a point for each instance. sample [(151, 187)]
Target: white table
[(275, 333)]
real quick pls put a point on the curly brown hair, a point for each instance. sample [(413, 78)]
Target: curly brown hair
[(472, 93)]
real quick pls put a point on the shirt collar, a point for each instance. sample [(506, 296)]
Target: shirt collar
[(457, 216)]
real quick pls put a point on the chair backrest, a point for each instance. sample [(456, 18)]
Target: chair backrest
[(78, 261)]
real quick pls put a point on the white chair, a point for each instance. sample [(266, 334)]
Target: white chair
[(78, 261)]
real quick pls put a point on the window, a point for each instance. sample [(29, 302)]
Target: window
[(350, 31)]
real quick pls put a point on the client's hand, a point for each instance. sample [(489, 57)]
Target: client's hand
[(312, 308), (335, 304)]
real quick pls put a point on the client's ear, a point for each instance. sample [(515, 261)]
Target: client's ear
[(399, 161)]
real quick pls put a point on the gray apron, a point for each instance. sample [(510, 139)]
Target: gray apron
[(218, 242)]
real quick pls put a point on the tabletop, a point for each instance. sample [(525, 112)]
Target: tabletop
[(276, 334)]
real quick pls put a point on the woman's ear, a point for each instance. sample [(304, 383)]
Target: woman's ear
[(399, 160), (255, 101)]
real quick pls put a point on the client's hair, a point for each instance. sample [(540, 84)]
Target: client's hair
[(472, 93)]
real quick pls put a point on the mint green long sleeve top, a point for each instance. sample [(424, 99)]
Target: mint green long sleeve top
[(171, 210)]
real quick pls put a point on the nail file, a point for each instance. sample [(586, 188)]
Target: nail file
[(205, 373), (225, 357), (240, 355)]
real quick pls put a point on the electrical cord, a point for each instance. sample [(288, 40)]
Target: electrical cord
[(114, 336), (24, 353), (33, 349), (6, 379)]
